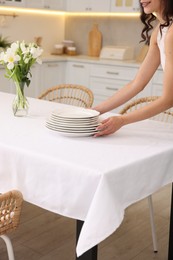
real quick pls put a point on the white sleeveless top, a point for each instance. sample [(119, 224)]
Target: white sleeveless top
[(161, 44)]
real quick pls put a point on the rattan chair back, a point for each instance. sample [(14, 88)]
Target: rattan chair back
[(10, 211), (76, 95), (166, 116)]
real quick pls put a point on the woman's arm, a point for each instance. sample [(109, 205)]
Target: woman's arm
[(166, 100), (145, 73), (112, 124)]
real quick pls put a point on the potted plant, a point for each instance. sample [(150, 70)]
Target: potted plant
[(4, 43)]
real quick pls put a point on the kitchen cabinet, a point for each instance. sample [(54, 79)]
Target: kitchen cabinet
[(106, 80), (5, 84), (35, 3), (78, 73), (54, 4), (105, 88), (46, 4), (51, 74), (44, 76), (157, 83), (33, 89), (88, 6), (124, 6), (8, 86), (17, 3)]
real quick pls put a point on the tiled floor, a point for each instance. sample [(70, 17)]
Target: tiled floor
[(47, 236)]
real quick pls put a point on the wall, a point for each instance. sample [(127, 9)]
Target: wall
[(53, 29), (116, 31), (27, 26)]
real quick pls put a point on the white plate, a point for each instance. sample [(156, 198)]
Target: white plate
[(72, 124), (73, 130), (72, 134), (78, 113), (74, 121)]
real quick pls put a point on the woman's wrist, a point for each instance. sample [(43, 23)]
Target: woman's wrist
[(97, 108), (122, 120)]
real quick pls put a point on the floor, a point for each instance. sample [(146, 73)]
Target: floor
[(47, 236)]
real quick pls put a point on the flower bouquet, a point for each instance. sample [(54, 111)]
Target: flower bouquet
[(18, 60)]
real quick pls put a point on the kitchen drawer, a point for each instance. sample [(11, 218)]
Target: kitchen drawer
[(52, 74), (78, 73), (113, 72), (106, 87)]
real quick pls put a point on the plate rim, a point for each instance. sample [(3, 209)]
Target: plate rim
[(94, 113)]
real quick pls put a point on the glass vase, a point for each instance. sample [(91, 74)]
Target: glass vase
[(20, 103)]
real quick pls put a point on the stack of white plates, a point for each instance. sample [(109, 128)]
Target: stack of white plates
[(74, 121)]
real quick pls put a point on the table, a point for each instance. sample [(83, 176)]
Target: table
[(89, 179)]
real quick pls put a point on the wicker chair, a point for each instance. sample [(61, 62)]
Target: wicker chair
[(69, 94), (10, 210), (166, 116)]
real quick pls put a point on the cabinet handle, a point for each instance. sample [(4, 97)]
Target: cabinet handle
[(111, 88), (52, 65), (113, 73), (78, 66)]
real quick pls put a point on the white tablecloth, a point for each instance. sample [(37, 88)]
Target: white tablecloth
[(86, 178)]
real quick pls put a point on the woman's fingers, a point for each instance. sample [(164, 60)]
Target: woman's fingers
[(109, 126)]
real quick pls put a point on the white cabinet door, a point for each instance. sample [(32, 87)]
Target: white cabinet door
[(88, 6), (52, 74), (35, 3), (78, 73), (46, 4), (44, 76), (100, 6), (5, 84), (33, 89), (124, 5), (8, 86), (13, 2), (54, 4), (77, 6)]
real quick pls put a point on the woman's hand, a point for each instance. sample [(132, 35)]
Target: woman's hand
[(109, 126)]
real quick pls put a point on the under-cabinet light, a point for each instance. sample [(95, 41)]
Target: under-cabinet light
[(53, 12), (113, 14)]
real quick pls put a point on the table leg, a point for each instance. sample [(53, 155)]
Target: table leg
[(170, 250), (90, 254)]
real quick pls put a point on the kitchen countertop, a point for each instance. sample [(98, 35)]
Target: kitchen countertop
[(88, 59)]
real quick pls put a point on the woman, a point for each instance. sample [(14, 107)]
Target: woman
[(160, 52)]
